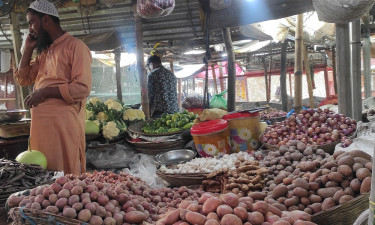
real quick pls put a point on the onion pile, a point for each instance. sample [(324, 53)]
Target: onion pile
[(271, 113), (312, 127)]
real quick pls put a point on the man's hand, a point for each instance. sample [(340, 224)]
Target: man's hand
[(31, 42), (35, 98)]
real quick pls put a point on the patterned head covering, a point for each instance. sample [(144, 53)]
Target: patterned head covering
[(45, 7)]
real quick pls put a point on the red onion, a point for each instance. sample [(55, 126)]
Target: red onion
[(303, 111), (343, 126), (307, 115), (311, 111)]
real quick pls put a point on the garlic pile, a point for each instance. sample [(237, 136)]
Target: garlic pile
[(207, 165)]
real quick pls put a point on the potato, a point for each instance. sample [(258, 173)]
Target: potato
[(45, 204), (64, 193), (52, 209), (337, 153), (96, 220), (100, 211), (335, 176), (173, 217), (346, 160), (280, 191), (363, 173), (307, 166), (290, 202), (316, 207), (70, 213), (261, 207), (255, 218), (331, 184), (342, 155), (281, 222), (355, 185), (73, 199), (223, 210), (134, 217), (313, 186), (230, 199), (338, 195), (308, 210), (256, 195), (214, 216), (328, 203), (61, 203), (91, 207), (279, 206), (109, 221), (194, 207), (271, 218), (361, 160), (14, 201), (345, 199), (369, 166), (300, 192), (274, 210), (345, 183), (345, 170), (300, 215), (302, 183), (195, 218), (366, 185), (77, 206), (204, 197), (359, 153), (36, 206), (183, 214), (103, 200), (300, 222), (210, 205), (356, 167), (230, 219), (328, 192), (241, 213), (349, 191)]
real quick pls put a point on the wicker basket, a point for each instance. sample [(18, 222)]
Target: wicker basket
[(182, 179), (29, 216), (154, 148), (344, 214)]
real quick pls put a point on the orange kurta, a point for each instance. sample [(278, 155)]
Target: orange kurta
[(58, 125)]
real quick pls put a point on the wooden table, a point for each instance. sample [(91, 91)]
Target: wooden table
[(10, 148)]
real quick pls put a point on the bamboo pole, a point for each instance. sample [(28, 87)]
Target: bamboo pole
[(356, 70), (266, 79), (284, 94), (308, 77), (221, 78), (367, 64), (298, 65), (231, 70), (21, 92), (140, 64), (326, 83), (269, 78), (290, 85), (118, 73), (214, 77), (334, 69)]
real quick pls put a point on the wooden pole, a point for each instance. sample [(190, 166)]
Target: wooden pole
[(21, 92), (214, 77), (326, 83), (367, 63), (231, 70), (269, 78), (283, 65), (290, 85), (343, 69), (140, 64), (266, 79), (356, 69), (221, 74), (193, 83), (308, 77), (298, 65), (118, 73), (334, 69)]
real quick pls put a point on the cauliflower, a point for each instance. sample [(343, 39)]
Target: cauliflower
[(89, 115), (110, 130), (115, 105), (102, 117), (94, 100), (109, 101), (97, 122), (133, 114)]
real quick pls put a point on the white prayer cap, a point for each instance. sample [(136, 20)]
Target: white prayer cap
[(45, 7)]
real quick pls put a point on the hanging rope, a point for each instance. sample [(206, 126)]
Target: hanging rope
[(206, 8)]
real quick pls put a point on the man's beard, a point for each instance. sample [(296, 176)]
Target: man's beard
[(43, 41)]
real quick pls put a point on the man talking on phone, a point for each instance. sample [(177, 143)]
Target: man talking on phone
[(61, 74)]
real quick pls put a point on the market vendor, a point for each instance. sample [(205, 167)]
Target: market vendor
[(61, 74), (162, 88)]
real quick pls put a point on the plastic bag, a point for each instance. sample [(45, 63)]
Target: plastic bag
[(144, 166), (154, 8), (218, 101), (211, 114), (193, 102), (118, 157)]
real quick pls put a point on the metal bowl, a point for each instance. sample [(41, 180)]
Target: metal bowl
[(175, 156), (12, 115)]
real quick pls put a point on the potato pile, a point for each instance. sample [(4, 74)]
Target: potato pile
[(104, 198), (229, 209), (305, 178), (246, 178)]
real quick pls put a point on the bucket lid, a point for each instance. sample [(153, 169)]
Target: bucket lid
[(209, 127), (232, 116)]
